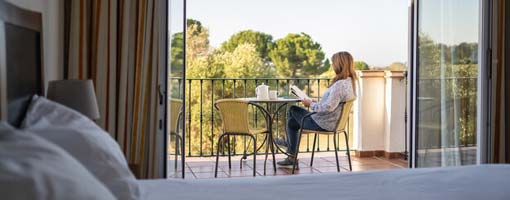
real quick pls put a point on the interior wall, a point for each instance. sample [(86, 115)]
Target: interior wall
[(53, 34)]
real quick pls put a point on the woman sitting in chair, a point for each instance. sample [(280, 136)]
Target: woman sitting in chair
[(328, 109)]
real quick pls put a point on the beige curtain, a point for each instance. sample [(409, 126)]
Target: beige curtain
[(500, 149), (120, 45)]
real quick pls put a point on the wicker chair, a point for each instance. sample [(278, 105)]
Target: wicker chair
[(340, 128), (234, 115), (174, 122)]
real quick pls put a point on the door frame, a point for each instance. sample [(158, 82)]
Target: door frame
[(411, 76), (413, 73), (167, 91), (484, 103), (483, 85)]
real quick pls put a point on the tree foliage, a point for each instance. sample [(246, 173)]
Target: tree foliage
[(361, 65), (197, 40), (204, 61), (176, 58), (197, 36), (397, 66), (263, 42), (297, 55), (244, 62)]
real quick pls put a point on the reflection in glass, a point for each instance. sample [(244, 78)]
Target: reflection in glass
[(175, 87), (447, 82)]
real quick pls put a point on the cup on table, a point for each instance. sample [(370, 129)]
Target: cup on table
[(273, 94)]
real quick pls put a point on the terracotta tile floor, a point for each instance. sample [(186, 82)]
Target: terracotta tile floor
[(324, 162)]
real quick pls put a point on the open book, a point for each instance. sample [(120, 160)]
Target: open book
[(298, 93)]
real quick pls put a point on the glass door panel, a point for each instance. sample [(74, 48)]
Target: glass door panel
[(176, 51), (446, 82)]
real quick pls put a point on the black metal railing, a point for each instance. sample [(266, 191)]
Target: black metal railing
[(203, 123)]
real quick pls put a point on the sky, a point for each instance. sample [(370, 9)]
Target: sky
[(374, 31)]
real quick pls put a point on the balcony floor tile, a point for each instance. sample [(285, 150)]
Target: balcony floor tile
[(324, 162)]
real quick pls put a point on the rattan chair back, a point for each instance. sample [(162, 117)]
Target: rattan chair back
[(344, 117), (234, 115), (175, 112)]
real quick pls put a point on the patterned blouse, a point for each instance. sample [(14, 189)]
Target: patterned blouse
[(329, 108)]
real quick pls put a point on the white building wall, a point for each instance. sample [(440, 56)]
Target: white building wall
[(370, 115), (395, 112), (379, 113)]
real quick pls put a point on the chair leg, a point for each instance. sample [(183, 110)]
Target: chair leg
[(272, 152), (348, 151), (267, 152), (297, 151), (313, 148), (336, 152), (176, 149), (228, 150), (217, 156), (255, 156), (245, 156), (183, 155)]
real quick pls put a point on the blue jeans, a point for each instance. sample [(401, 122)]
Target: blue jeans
[(294, 117)]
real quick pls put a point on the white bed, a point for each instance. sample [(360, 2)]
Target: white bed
[(470, 182)]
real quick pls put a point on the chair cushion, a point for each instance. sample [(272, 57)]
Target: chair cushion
[(305, 131), (258, 131)]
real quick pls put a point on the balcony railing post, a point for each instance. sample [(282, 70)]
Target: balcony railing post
[(212, 118), (201, 116), (189, 118), (244, 138), (256, 110), (223, 96), (308, 135), (277, 114), (234, 137)]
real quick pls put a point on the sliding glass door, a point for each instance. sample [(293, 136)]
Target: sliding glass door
[(445, 82), (176, 95)]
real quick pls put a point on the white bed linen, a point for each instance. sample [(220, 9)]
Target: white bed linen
[(32, 168), (463, 183), (93, 147)]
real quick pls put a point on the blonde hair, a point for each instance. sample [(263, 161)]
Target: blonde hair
[(343, 65)]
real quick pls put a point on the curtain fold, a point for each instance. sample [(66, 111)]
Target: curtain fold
[(117, 44), (500, 149)]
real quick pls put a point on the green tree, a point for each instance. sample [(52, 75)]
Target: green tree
[(397, 66), (198, 39), (327, 64), (263, 42), (193, 22), (176, 58), (297, 55), (361, 65), (244, 62)]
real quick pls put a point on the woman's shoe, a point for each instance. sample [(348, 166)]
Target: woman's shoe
[(281, 142), (287, 162)]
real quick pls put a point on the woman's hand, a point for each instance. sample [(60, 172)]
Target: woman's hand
[(306, 102)]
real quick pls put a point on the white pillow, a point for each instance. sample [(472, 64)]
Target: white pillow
[(33, 168), (84, 140)]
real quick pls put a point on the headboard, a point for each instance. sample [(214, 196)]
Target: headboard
[(21, 61)]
